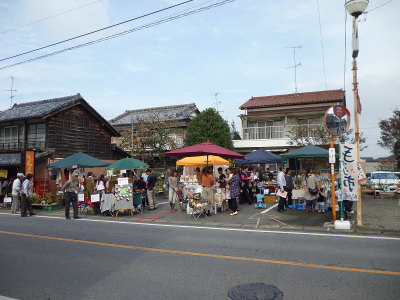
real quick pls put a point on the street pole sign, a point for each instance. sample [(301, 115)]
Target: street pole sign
[(337, 122)]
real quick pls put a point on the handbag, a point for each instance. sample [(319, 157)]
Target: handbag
[(313, 191)]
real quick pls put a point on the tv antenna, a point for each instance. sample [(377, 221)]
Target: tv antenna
[(295, 66), (11, 90), (217, 103)]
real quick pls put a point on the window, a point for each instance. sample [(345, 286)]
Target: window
[(9, 134), (36, 133)]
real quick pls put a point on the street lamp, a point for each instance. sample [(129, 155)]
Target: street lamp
[(355, 8)]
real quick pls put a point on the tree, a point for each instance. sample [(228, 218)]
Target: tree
[(150, 137), (390, 131), (209, 126), (396, 152), (303, 135), (234, 133)]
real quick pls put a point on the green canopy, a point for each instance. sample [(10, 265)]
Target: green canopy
[(127, 164), (307, 151), (78, 160)]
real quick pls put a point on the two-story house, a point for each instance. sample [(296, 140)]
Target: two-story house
[(267, 121), (179, 115), (55, 128)]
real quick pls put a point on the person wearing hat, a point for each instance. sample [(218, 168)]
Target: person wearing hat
[(151, 184), (26, 193), (70, 190), (16, 193)]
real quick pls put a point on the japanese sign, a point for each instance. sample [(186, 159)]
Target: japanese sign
[(29, 162), (349, 171)]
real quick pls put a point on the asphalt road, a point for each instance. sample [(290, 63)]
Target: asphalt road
[(54, 258)]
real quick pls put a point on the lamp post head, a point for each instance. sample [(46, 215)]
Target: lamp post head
[(356, 7)]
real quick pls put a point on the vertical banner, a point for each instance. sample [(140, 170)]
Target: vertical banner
[(349, 171), (29, 161)]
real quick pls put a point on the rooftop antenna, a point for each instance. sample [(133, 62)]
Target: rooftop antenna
[(216, 103), (295, 66), (11, 90)]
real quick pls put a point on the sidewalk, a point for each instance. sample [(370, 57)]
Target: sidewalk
[(380, 216)]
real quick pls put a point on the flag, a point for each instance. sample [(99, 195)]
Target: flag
[(359, 106)]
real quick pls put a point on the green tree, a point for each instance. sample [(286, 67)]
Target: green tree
[(209, 126), (390, 131), (234, 133)]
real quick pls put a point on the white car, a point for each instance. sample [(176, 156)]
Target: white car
[(386, 181)]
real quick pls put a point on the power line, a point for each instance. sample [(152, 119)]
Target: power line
[(322, 45), (152, 24), (50, 17), (98, 30), (378, 6)]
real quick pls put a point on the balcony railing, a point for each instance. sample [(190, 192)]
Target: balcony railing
[(277, 132), (21, 145)]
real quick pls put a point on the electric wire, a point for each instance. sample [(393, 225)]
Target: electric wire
[(50, 17), (322, 45), (152, 24), (378, 6), (98, 30)]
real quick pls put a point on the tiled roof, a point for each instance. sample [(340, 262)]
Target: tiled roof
[(10, 159), (37, 109), (165, 113), (294, 99)]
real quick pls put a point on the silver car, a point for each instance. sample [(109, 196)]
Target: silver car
[(386, 181)]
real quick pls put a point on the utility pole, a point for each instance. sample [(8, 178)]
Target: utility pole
[(295, 66), (11, 90)]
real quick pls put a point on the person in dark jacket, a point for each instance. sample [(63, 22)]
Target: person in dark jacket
[(289, 187), (151, 184)]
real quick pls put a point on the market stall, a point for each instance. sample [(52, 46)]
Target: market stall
[(204, 197)]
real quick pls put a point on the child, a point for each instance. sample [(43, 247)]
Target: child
[(321, 201)]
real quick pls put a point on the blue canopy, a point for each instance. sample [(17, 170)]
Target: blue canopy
[(260, 156)]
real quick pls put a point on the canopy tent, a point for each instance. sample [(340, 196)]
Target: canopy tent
[(206, 148), (127, 164), (309, 151), (260, 156), (78, 160), (202, 160)]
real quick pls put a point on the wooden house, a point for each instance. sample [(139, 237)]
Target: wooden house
[(55, 128)]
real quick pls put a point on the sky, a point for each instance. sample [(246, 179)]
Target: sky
[(237, 50)]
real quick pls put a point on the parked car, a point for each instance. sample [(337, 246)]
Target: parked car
[(383, 180)]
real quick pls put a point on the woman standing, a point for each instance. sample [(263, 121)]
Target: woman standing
[(289, 187), (311, 192), (234, 186), (173, 188)]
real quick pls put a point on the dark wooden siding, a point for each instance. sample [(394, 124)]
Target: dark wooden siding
[(75, 130)]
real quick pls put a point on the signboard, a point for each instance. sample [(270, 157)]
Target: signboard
[(4, 173), (332, 155), (52, 160), (29, 162), (349, 171), (337, 119), (123, 181), (361, 175)]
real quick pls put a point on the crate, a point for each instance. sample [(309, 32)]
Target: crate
[(269, 199), (51, 207)]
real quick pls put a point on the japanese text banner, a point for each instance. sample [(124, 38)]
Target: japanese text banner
[(349, 171)]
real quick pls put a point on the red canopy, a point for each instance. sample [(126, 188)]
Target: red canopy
[(204, 149)]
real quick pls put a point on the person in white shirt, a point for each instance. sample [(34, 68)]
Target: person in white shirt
[(281, 185), (16, 193), (26, 193)]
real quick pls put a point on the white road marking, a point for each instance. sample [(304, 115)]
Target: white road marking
[(269, 208), (221, 229)]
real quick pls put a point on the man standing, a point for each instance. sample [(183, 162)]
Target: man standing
[(26, 196), (282, 186), (16, 193), (70, 190), (151, 184)]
